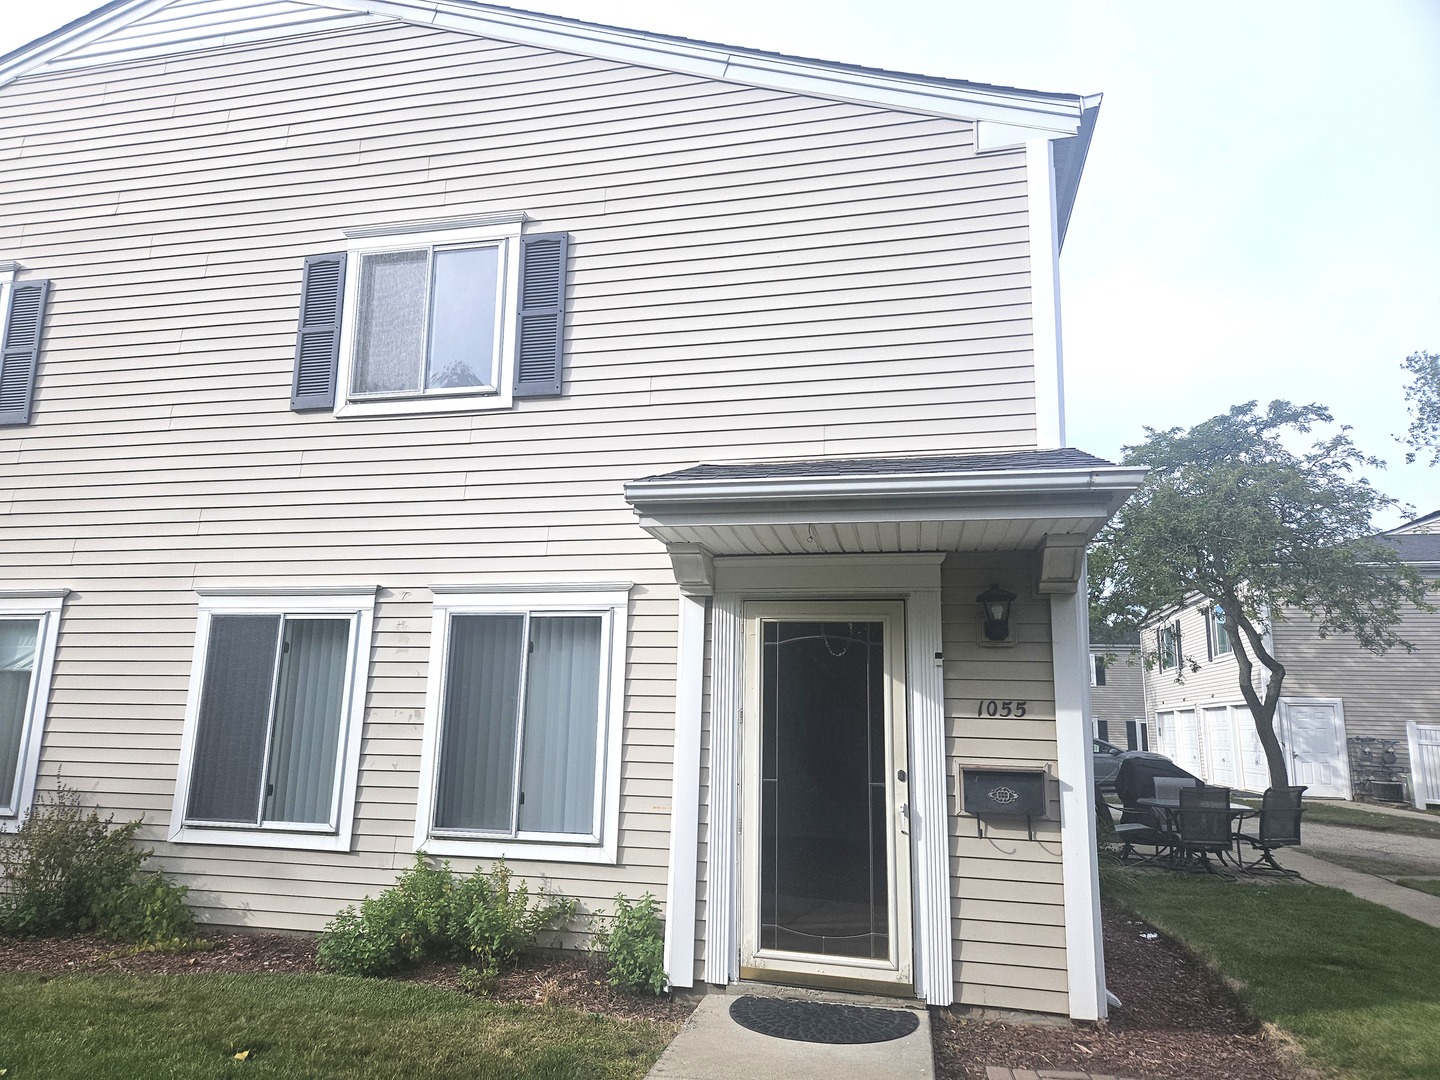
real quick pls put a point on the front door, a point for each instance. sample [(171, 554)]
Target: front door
[(826, 870)]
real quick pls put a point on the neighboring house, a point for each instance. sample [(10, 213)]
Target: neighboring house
[(658, 412), (1117, 695), (1335, 696)]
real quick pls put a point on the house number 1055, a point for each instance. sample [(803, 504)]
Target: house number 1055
[(1000, 708)]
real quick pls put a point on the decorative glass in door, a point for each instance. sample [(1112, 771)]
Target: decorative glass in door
[(824, 802)]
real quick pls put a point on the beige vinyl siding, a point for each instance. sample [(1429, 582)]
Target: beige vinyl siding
[(753, 274), (1007, 896), (1380, 693), (1217, 682)]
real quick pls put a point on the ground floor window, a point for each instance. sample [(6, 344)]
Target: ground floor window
[(521, 745), (271, 734), (29, 627)]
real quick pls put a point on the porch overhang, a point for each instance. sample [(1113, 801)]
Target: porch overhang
[(1049, 501)]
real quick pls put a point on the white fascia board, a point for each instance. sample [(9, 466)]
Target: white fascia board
[(1057, 114), (95, 25), (1110, 480)]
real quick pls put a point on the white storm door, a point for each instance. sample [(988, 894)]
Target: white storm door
[(825, 874), (1315, 741)]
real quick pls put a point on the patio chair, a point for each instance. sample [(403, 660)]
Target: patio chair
[(1203, 823), (1129, 833), (1168, 787), (1278, 826)]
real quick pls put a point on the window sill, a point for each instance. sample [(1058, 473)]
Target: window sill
[(520, 850), (439, 405), (261, 838)]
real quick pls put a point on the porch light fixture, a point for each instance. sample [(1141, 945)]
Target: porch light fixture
[(995, 607)]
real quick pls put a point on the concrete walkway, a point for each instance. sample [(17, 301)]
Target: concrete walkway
[(1412, 902), (711, 1046)]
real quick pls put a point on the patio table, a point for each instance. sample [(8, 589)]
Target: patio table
[(1170, 809)]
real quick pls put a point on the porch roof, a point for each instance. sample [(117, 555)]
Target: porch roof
[(1002, 501)]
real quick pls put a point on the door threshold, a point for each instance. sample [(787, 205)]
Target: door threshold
[(763, 982)]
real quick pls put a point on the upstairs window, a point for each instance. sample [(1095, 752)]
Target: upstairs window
[(1097, 671), (445, 316), (272, 731), (1168, 646), (1220, 643)]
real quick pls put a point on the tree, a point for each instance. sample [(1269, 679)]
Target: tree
[(1422, 400), (1228, 512)]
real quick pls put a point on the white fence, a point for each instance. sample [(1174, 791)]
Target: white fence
[(1424, 762)]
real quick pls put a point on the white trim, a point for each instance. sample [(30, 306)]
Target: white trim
[(1044, 226), (1114, 482), (721, 906), (501, 231), (1075, 767), (898, 967), (685, 794), (1058, 114), (444, 226), (1342, 759), (613, 604), (358, 605), (929, 816), (913, 577), (46, 607)]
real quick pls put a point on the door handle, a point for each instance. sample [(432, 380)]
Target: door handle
[(904, 819)]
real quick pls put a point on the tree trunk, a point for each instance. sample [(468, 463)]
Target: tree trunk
[(1261, 709)]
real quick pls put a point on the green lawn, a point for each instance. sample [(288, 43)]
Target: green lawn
[(1416, 824), (1358, 985), (297, 1027)]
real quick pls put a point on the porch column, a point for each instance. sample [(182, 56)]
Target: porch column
[(1084, 949), (685, 795)]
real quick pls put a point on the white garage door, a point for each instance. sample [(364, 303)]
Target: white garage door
[(1220, 741)]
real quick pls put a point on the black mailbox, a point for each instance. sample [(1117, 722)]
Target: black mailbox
[(1001, 792)]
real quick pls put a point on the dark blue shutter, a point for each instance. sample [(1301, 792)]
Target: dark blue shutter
[(317, 346), (541, 315), (23, 324)]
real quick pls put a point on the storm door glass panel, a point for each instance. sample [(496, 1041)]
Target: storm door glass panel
[(390, 323), (305, 744), (562, 725), (475, 789), (462, 319), (824, 880), (18, 639), (234, 718)]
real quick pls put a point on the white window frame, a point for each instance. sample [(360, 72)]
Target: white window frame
[(7, 283), (610, 600), (45, 605), (1173, 630), (1213, 626), (359, 606), (491, 230)]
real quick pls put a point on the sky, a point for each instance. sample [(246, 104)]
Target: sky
[(1260, 212)]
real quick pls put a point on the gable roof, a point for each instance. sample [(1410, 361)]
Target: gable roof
[(1005, 116)]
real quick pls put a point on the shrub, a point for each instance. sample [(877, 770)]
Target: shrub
[(67, 871), (431, 914), (634, 945)]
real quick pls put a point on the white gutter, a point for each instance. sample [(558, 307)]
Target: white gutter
[(1107, 480)]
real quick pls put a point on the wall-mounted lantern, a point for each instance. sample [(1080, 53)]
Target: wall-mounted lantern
[(995, 605)]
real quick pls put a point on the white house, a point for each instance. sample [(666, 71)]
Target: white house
[(429, 425)]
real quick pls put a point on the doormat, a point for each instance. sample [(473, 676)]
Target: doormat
[(821, 1021)]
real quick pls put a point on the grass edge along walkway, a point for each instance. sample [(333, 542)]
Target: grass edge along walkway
[(301, 1027), (1356, 984)]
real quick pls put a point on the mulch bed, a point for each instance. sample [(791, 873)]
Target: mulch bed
[(543, 979), (1179, 1021)]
